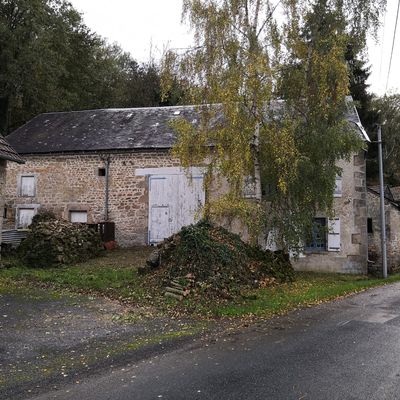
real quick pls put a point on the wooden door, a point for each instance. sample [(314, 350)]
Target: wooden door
[(174, 201)]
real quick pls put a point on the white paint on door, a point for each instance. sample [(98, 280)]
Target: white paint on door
[(174, 201)]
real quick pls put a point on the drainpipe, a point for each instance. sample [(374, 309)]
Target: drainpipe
[(107, 188)]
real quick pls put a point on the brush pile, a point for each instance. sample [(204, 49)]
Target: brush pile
[(210, 258)]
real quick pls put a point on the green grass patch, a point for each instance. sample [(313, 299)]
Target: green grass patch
[(307, 289), (115, 275)]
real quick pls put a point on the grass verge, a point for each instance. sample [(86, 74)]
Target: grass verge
[(308, 289), (115, 275)]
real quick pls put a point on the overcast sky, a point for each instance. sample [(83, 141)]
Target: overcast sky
[(140, 25)]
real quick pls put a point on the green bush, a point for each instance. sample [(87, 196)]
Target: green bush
[(43, 216)]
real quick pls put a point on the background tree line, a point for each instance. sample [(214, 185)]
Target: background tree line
[(372, 110), (51, 61)]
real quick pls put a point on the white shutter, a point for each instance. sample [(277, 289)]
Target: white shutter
[(338, 187), (78, 216), (28, 186), (334, 234), (25, 216)]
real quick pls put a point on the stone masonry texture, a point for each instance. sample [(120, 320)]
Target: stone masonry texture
[(71, 182), (351, 208), (392, 214)]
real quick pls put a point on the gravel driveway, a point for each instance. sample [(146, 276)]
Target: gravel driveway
[(48, 339)]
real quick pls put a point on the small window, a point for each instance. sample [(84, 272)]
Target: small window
[(370, 228), (317, 238), (5, 212), (27, 186), (24, 217), (101, 172), (78, 216), (249, 187), (338, 187)]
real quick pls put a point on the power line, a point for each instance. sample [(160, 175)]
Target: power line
[(394, 39)]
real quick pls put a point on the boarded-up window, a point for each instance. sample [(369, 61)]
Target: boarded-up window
[(27, 186), (24, 217), (78, 216)]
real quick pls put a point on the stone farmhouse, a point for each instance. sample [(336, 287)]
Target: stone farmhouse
[(115, 165)]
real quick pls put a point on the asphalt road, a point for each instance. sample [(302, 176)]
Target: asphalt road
[(349, 349)]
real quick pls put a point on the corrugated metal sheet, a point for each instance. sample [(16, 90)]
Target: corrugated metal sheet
[(13, 237)]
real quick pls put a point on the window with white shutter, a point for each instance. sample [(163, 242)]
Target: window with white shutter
[(334, 234), (78, 216), (24, 217), (27, 186), (338, 187)]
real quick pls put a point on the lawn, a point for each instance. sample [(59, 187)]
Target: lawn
[(115, 275)]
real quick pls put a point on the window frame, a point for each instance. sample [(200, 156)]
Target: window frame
[(101, 172), (78, 211), (34, 207), (311, 246), (20, 186), (338, 187), (249, 189)]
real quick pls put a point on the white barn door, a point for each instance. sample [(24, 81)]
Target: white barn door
[(174, 202)]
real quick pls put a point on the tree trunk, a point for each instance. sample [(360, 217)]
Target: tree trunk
[(4, 121)]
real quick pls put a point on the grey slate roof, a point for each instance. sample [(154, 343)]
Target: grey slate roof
[(108, 129), (96, 130), (8, 153), (392, 193), (376, 191)]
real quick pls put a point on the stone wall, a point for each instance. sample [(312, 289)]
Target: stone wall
[(392, 214), (351, 208), (3, 169), (67, 183)]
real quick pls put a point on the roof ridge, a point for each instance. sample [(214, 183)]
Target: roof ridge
[(113, 109)]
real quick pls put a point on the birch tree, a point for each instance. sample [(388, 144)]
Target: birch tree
[(278, 74)]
